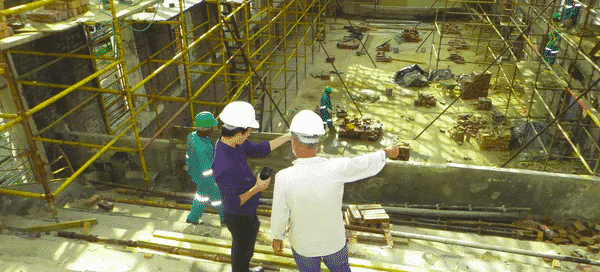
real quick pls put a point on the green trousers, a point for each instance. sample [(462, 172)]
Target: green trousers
[(206, 192)]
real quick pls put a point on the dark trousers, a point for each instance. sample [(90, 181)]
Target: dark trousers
[(244, 229)]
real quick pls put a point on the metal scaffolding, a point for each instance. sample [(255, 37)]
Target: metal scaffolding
[(236, 50), (510, 37)]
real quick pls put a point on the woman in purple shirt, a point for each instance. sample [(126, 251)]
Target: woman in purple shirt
[(240, 189)]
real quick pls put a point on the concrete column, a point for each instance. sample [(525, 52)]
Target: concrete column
[(131, 61), (193, 53)]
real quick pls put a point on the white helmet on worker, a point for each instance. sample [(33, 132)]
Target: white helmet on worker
[(308, 126), (239, 114)]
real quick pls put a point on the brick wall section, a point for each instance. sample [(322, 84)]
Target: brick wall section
[(149, 42), (67, 71)]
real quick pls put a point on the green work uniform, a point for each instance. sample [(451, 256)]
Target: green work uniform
[(199, 158)]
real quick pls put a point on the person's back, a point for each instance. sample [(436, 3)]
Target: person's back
[(308, 197), (314, 196)]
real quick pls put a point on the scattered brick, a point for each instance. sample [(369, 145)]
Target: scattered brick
[(105, 205)]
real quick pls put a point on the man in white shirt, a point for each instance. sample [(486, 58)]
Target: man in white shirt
[(308, 197)]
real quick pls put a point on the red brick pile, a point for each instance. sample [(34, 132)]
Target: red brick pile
[(477, 86), (60, 11)]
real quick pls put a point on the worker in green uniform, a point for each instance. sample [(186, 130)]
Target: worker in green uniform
[(326, 109), (199, 159)]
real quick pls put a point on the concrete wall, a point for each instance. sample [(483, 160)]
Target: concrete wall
[(397, 9), (67, 71), (560, 196)]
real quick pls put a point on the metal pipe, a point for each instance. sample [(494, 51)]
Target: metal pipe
[(124, 149), (452, 214), (436, 213), (486, 231), (457, 242)]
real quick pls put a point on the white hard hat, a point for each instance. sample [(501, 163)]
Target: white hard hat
[(239, 114), (308, 123)]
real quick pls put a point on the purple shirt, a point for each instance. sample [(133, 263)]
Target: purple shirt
[(234, 177)]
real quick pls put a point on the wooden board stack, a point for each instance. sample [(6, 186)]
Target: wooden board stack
[(370, 216)]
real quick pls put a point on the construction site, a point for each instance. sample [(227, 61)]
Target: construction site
[(495, 104)]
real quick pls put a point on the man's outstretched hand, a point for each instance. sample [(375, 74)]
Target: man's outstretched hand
[(277, 246), (392, 152)]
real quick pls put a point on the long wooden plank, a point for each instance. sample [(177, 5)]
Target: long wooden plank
[(355, 214), (376, 218), (63, 225), (267, 250), (369, 206), (372, 211)]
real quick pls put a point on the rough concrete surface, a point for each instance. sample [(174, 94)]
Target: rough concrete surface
[(132, 222)]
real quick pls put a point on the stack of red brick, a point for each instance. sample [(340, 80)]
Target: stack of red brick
[(59, 11), (477, 86), (5, 30)]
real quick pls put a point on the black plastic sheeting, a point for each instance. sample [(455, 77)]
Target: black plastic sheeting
[(440, 74), (411, 76)]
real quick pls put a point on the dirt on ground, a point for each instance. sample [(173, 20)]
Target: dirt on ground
[(362, 93)]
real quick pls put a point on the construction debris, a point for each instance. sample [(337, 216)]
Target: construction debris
[(411, 35), (404, 152), (476, 87), (340, 112), (450, 28), (497, 138), (411, 76), (363, 26), (457, 45), (436, 75), (364, 129), (105, 205), (324, 75), (348, 43), (467, 126), (354, 32), (385, 47), (425, 100), (381, 57), (456, 58), (448, 87), (484, 103), (93, 200)]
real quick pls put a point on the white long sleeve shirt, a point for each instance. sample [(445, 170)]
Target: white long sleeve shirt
[(308, 197)]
